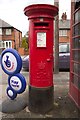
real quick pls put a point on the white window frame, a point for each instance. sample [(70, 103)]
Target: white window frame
[(8, 31), (3, 44), (9, 41), (62, 32), (0, 31)]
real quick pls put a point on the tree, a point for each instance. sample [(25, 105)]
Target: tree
[(24, 43)]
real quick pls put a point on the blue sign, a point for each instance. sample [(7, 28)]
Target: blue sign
[(11, 61), (11, 64), (17, 82), (11, 93)]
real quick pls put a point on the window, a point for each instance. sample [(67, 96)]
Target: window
[(8, 31), (8, 44), (64, 48), (2, 44), (62, 32), (0, 31), (5, 44)]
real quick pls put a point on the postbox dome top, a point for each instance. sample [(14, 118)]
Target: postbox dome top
[(41, 10)]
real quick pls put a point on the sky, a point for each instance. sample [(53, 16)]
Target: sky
[(12, 11)]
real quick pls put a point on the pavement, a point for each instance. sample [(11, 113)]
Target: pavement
[(63, 106)]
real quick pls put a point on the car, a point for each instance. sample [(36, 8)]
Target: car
[(64, 56), (25, 62)]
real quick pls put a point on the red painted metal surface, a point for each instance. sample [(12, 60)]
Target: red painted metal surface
[(75, 94), (41, 10), (74, 87), (41, 48)]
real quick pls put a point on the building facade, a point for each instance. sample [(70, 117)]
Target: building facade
[(10, 37), (64, 29)]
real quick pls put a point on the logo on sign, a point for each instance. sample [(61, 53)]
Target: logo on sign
[(8, 63)]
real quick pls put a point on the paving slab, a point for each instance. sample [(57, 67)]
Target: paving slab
[(63, 106)]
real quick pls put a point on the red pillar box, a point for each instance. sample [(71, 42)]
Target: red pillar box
[(41, 56)]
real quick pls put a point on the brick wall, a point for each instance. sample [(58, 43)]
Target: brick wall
[(18, 38)]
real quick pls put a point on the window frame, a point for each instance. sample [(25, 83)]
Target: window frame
[(8, 31), (0, 31), (63, 33), (4, 45)]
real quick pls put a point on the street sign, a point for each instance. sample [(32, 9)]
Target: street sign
[(17, 82), (11, 93), (11, 61), (11, 64)]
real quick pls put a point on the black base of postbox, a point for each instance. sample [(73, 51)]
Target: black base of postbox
[(41, 99)]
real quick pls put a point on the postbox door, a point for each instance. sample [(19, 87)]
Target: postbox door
[(41, 66)]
